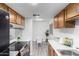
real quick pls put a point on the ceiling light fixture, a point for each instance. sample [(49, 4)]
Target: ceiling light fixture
[(34, 4), (37, 17)]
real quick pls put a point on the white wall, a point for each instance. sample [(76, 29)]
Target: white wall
[(14, 33), (39, 29), (27, 32), (72, 33)]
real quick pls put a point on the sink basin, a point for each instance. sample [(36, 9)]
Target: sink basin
[(68, 53)]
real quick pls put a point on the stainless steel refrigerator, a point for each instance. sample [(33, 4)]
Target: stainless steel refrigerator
[(4, 33)]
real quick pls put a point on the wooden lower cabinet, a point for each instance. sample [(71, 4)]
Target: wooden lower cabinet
[(51, 51)]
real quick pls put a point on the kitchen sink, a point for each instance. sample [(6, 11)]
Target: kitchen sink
[(68, 53)]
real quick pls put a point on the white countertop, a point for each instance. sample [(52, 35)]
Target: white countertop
[(13, 53), (13, 40), (57, 46)]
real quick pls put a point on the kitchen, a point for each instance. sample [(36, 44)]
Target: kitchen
[(29, 23)]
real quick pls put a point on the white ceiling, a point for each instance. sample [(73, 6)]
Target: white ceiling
[(46, 10)]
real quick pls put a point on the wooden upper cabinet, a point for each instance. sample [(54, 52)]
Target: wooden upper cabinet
[(12, 16), (19, 19), (72, 10), (23, 21), (4, 7), (15, 17), (61, 19), (56, 21), (65, 19)]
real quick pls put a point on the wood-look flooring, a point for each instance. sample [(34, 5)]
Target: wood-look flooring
[(39, 49)]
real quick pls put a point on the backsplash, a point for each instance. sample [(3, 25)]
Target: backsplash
[(14, 33), (18, 33), (69, 32)]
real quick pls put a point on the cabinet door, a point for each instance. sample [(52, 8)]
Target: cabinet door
[(61, 20), (56, 22), (52, 51), (4, 7), (49, 50), (23, 21), (12, 16), (72, 10), (19, 19)]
